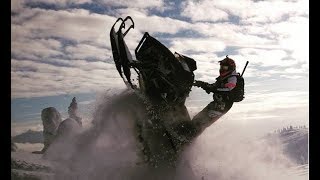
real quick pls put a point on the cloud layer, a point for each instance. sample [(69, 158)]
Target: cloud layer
[(64, 45)]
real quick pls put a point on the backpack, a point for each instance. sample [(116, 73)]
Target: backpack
[(237, 93)]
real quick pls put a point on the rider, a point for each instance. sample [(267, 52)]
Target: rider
[(222, 102)]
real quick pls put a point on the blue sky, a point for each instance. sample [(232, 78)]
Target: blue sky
[(61, 49)]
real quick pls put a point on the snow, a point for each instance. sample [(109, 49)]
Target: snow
[(110, 152), (24, 156), (231, 159), (25, 165), (29, 147)]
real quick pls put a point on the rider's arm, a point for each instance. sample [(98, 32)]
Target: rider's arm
[(205, 86)]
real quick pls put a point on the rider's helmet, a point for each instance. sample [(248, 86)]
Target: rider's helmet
[(227, 65)]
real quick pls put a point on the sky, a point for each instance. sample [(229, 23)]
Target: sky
[(61, 49)]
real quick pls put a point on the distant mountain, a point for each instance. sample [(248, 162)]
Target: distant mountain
[(29, 137)]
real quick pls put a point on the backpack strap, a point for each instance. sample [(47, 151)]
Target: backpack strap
[(230, 75)]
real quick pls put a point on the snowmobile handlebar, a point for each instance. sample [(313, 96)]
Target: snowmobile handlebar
[(123, 25), (116, 22)]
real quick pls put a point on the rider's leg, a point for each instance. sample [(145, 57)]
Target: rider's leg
[(210, 114)]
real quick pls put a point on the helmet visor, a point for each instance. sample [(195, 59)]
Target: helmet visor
[(223, 67)]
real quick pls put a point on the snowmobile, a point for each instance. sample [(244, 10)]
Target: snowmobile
[(163, 77), (164, 81)]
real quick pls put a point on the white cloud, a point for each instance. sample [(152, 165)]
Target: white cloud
[(294, 35), (32, 48), (203, 11), (200, 45), (275, 100), (291, 76), (46, 79), (83, 51), (156, 24), (79, 25), (289, 34), (16, 5), (232, 34), (134, 3), (264, 45), (248, 11), (75, 24), (273, 11), (265, 57), (294, 70), (271, 109), (61, 2)]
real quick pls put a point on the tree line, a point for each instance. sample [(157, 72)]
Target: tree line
[(288, 128)]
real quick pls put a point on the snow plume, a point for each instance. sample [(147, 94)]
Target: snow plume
[(105, 150), (110, 149), (225, 152)]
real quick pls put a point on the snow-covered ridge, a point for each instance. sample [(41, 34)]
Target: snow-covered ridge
[(29, 136), (25, 165), (294, 142)]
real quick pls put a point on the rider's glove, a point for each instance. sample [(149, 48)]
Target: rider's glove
[(198, 83)]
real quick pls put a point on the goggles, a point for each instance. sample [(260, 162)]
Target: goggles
[(222, 67)]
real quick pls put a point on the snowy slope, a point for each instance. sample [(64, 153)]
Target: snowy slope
[(294, 144), (25, 165)]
